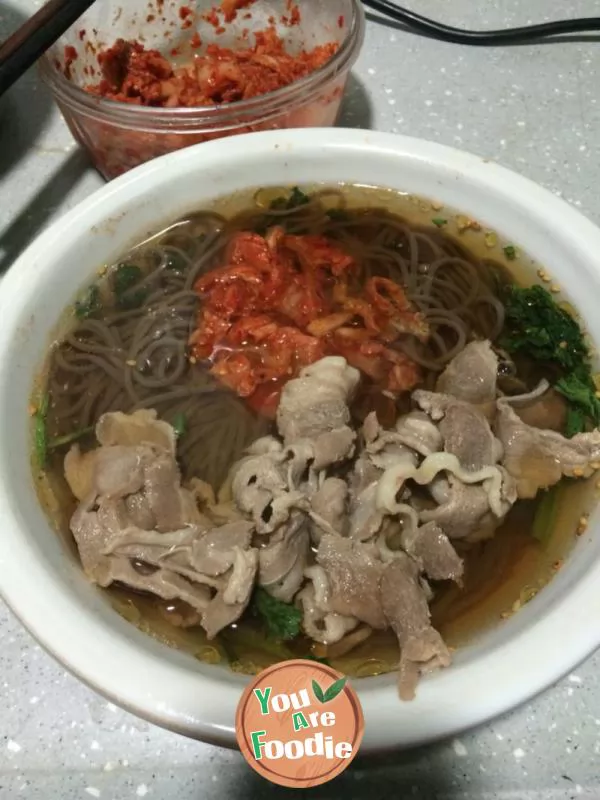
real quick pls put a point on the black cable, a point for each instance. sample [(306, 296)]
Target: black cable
[(447, 33)]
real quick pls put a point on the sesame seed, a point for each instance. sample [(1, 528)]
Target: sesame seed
[(555, 289), (130, 363)]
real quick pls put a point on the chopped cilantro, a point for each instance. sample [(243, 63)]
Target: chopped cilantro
[(545, 515), (69, 438), (580, 391), (439, 221), (125, 278), (89, 303), (296, 199), (536, 326), (179, 424), (510, 251), (282, 620), (575, 421), (40, 433)]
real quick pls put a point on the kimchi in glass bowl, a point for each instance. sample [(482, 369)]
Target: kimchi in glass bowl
[(304, 54)]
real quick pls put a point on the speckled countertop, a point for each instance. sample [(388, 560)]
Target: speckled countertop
[(533, 108)]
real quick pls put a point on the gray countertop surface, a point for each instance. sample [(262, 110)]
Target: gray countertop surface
[(535, 109)]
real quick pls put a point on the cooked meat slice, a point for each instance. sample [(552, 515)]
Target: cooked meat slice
[(468, 436), (308, 457), (93, 529), (287, 549), (119, 470), (414, 434), (466, 509), (161, 583), (415, 430), (537, 459), (333, 447), (213, 552), (139, 512), (139, 527), (229, 604), (171, 506), (363, 475), (405, 607), (433, 404), (319, 622), (543, 408), (317, 401), (347, 644), (329, 513), (471, 376), (265, 446), (260, 490), (139, 428), (470, 511), (366, 517), (433, 552), (218, 511), (79, 472), (354, 574)]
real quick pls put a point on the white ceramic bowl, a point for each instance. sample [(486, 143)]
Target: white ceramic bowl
[(44, 585)]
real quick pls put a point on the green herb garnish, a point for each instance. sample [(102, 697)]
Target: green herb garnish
[(179, 424), (125, 278), (296, 199), (89, 303), (40, 433), (580, 391), (538, 327), (439, 221), (545, 515), (69, 438), (510, 251), (282, 620)]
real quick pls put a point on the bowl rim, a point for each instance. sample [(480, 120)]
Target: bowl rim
[(264, 105), (29, 590)]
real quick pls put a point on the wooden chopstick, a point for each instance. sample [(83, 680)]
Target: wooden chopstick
[(34, 37)]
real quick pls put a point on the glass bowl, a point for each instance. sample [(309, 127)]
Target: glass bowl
[(119, 136)]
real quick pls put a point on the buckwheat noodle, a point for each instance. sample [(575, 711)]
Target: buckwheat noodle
[(122, 359)]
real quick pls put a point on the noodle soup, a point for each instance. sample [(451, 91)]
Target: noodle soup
[(277, 424)]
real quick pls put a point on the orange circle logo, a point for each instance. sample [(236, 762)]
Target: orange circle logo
[(299, 724)]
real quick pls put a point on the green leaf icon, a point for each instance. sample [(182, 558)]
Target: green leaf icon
[(318, 692), (335, 689), (331, 693)]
